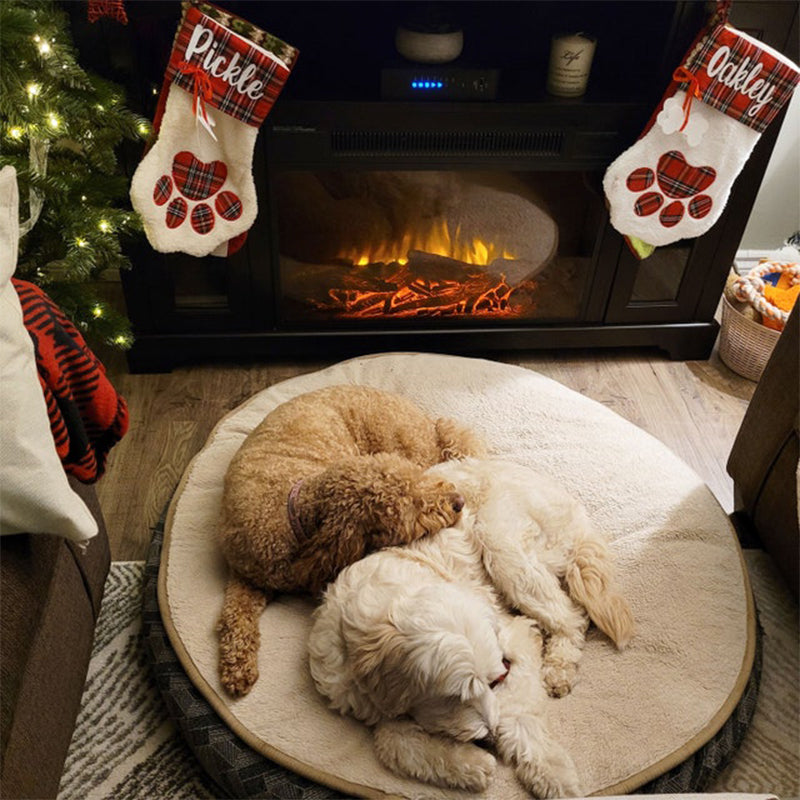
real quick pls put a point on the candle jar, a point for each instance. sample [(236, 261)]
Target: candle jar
[(570, 63)]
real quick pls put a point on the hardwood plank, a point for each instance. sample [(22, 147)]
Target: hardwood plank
[(694, 407)]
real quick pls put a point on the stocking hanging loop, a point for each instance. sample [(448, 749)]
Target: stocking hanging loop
[(682, 75), (720, 16), (203, 93)]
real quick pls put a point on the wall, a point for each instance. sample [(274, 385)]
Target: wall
[(776, 212)]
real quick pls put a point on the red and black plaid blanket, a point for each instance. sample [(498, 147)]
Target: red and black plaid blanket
[(87, 416)]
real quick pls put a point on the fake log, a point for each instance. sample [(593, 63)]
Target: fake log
[(428, 285)]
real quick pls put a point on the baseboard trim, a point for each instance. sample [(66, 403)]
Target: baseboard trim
[(747, 259)]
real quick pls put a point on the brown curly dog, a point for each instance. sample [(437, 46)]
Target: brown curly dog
[(324, 479)]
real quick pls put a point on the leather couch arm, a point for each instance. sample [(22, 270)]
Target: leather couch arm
[(51, 598), (764, 458)]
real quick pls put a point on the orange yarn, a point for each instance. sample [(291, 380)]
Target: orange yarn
[(783, 296)]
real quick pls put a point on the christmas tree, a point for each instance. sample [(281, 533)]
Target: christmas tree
[(60, 129)]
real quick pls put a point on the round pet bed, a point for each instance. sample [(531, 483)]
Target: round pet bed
[(632, 717)]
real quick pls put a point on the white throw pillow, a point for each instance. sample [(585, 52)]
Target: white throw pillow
[(35, 496)]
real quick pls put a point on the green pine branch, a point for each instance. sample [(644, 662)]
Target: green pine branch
[(61, 128)]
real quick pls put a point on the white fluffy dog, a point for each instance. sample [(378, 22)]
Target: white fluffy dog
[(419, 641)]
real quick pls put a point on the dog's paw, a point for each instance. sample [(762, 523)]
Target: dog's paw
[(473, 771), (457, 442), (551, 775), (559, 677), (238, 660), (440, 506), (238, 678), (545, 785)]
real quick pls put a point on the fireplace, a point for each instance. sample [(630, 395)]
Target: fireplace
[(435, 247), (451, 225)]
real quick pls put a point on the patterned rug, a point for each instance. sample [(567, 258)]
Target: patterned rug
[(125, 747)]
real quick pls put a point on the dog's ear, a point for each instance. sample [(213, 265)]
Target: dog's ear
[(329, 550), (400, 668), (383, 667)]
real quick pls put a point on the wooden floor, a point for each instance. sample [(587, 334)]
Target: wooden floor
[(694, 407)]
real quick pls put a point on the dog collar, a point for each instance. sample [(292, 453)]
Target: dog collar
[(507, 665), (291, 511)]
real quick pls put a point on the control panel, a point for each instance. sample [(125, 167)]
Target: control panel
[(438, 83)]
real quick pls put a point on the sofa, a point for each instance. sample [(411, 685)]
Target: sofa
[(51, 590), (763, 461)]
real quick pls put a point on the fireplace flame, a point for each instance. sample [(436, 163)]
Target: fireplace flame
[(437, 241)]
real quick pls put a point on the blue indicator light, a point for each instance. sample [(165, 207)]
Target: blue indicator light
[(416, 84)]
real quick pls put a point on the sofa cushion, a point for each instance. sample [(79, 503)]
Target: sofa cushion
[(35, 496)]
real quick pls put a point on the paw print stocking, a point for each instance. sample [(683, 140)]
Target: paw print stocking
[(674, 182), (194, 188)]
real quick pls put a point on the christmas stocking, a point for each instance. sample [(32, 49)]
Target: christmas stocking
[(194, 188), (674, 182)]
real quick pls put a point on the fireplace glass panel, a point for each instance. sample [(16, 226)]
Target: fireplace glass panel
[(195, 288), (388, 246), (659, 276)]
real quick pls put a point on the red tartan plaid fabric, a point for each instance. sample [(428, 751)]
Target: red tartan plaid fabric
[(245, 79), (742, 77), (700, 206), (87, 416), (672, 214), (677, 178), (648, 204), (196, 179), (228, 206), (176, 212), (202, 219), (107, 8), (163, 190), (640, 179)]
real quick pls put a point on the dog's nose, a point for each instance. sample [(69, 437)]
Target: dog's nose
[(458, 503)]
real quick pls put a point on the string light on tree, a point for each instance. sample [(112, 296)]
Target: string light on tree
[(61, 128)]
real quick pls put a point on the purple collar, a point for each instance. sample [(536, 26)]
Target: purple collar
[(294, 517)]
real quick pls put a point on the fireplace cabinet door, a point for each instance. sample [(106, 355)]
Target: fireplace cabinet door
[(174, 293), (682, 282)]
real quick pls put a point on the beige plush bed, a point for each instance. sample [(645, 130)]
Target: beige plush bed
[(632, 716)]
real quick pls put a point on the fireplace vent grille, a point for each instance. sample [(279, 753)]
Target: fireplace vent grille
[(448, 143)]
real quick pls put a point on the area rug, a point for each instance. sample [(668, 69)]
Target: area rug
[(126, 747), (124, 744), (633, 716)]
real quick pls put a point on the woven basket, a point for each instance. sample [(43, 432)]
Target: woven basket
[(745, 345)]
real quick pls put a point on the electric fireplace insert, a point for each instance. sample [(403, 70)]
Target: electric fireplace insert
[(439, 247)]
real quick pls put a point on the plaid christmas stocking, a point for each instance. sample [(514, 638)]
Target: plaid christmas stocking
[(194, 188), (674, 182)]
